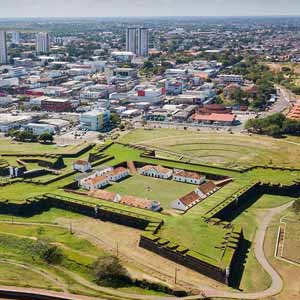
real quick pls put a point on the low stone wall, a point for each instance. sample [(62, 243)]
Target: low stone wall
[(185, 260)]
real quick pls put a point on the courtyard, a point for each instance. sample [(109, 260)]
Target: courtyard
[(163, 191)]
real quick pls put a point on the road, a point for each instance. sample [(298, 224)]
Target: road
[(283, 102)]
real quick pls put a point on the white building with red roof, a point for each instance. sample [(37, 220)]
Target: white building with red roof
[(95, 183), (117, 174), (189, 177), (156, 171), (186, 202), (81, 165)]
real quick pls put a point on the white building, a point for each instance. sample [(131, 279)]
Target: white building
[(82, 165), (186, 202), (95, 183), (38, 129), (94, 120), (117, 174), (42, 42), (142, 41), (156, 172), (131, 45), (122, 56), (189, 177), (3, 48), (206, 189), (231, 78)]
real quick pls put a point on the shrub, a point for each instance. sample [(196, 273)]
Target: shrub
[(109, 269)]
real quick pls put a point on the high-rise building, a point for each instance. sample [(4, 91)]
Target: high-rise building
[(15, 39), (131, 40), (3, 48), (142, 42), (42, 42), (137, 40)]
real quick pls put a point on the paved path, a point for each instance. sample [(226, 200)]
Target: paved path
[(274, 289)]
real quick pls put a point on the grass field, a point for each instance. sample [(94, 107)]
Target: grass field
[(17, 275), (220, 148), (163, 191), (291, 248), (188, 230)]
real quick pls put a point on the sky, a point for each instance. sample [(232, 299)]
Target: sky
[(111, 8)]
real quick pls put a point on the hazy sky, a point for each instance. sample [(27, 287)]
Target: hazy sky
[(108, 8)]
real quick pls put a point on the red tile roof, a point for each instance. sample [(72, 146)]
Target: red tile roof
[(294, 114), (81, 162), (96, 180), (158, 169), (207, 187), (214, 117), (117, 171), (189, 198), (187, 174), (103, 195), (136, 202)]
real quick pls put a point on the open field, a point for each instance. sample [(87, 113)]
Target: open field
[(219, 148), (9, 146), (163, 191), (289, 273), (292, 241)]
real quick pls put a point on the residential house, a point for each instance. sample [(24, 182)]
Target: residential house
[(189, 177), (156, 172)]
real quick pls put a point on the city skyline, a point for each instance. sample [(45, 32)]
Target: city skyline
[(147, 8)]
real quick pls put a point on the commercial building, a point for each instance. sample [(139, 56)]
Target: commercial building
[(42, 42), (38, 129), (9, 121), (3, 48), (57, 105), (95, 120)]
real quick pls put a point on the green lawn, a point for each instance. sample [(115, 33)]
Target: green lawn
[(164, 191), (220, 148)]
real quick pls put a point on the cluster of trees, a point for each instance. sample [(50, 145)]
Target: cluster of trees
[(275, 125), (27, 136), (261, 75)]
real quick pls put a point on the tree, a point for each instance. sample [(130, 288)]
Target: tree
[(48, 252), (115, 119), (109, 269), (46, 138)]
